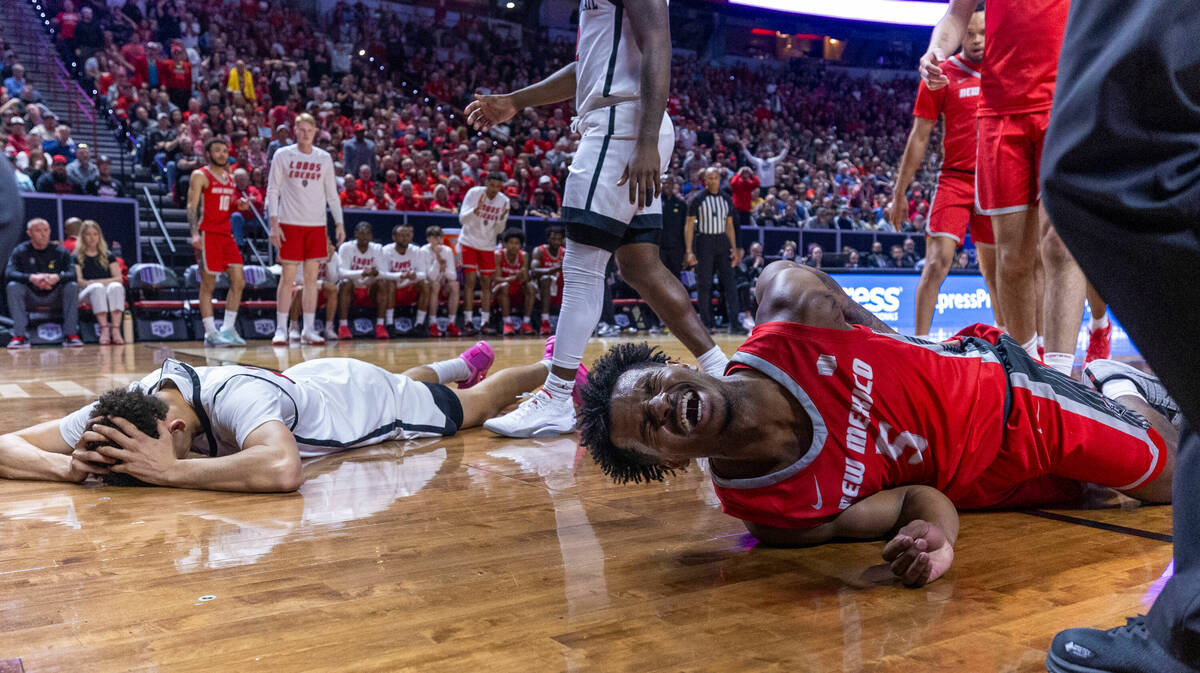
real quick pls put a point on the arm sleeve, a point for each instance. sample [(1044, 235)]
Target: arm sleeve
[(331, 190), (384, 263), (929, 103), (66, 265), (251, 404), (72, 425), (694, 207), (274, 184), (470, 201), (346, 259), (13, 272), (420, 263)]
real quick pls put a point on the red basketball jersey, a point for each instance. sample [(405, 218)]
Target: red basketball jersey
[(511, 269), (1022, 42), (551, 260), (959, 102), (886, 411), (219, 202)]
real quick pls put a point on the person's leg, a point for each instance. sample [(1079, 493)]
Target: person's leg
[(583, 268), (115, 293), (309, 296), (723, 262), (18, 294), (208, 282), (452, 296), (505, 300), (939, 252), (345, 295), (468, 290), (490, 396), (485, 300), (665, 295), (986, 255), (1016, 250), (331, 305), (96, 296), (1063, 303), (527, 289), (383, 293), (705, 266), (293, 314), (237, 282), (544, 291), (283, 293)]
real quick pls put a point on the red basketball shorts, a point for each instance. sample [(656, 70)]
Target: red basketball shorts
[(407, 296), (1007, 159), (218, 252), (362, 296), (302, 243), (953, 210), (483, 261)]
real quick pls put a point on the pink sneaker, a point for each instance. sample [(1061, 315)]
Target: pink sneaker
[(580, 375), (478, 358), (549, 352)]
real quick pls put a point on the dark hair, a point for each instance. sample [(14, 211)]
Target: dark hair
[(979, 6), (216, 140), (497, 175), (513, 232), (402, 225), (141, 409), (595, 414), (556, 229), (362, 224)]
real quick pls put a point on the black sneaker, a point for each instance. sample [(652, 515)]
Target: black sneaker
[(419, 331), (72, 341), (1125, 649), (1102, 371), (468, 328)]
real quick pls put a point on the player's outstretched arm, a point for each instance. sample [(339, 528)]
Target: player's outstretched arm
[(921, 522), (39, 453), (486, 111), (791, 292), (914, 152), (947, 37)]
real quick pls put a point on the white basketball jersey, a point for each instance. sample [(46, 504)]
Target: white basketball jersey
[(609, 66), (395, 264)]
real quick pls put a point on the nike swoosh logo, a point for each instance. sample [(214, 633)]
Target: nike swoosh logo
[(817, 485)]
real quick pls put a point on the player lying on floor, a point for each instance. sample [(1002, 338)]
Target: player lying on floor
[(829, 425), (254, 425)]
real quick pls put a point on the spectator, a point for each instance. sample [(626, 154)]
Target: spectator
[(48, 127), (163, 140), (177, 76), (814, 257), (852, 259), (441, 202), (910, 253), (767, 213), (543, 204), (822, 220), (89, 38), (764, 165), (71, 233), (360, 151), (379, 199), (247, 195), (61, 143), (788, 251), (56, 181), (41, 274), (99, 279), (961, 260), (899, 259), (281, 140), (241, 82), (104, 185), (751, 268), (82, 171), (15, 84), (24, 183), (17, 140), (745, 186), (877, 259)]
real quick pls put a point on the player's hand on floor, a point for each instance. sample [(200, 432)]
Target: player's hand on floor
[(148, 458), (486, 111), (919, 554)]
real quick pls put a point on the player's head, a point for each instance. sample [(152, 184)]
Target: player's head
[(495, 182), (643, 416), (514, 240), (402, 235), (555, 236), (144, 411), (306, 129), (217, 151), (363, 233), (712, 179), (433, 235), (972, 46)]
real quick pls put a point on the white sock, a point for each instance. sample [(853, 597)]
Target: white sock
[(1063, 362), (468, 316), (545, 317), (344, 324), (558, 388), (310, 322), (210, 325), (1100, 323), (449, 371), (1031, 348), (923, 337), (230, 320), (390, 316), (293, 325), (379, 322), (713, 362), (548, 363), (1117, 388), (582, 299), (1041, 341), (421, 317), (528, 319), (281, 321)]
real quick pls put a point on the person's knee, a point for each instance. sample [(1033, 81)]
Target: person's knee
[(15, 291), (1054, 252)]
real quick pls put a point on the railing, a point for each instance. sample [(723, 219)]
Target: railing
[(157, 254), (158, 218)]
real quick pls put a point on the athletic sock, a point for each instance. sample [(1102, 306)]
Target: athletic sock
[(452, 370), (1100, 323), (345, 324), (468, 317), (421, 317), (1063, 362), (379, 322), (528, 319), (713, 362), (1041, 341), (310, 322), (293, 325), (230, 320), (558, 388), (923, 337), (210, 325), (281, 321), (1117, 388), (390, 318), (1031, 347)]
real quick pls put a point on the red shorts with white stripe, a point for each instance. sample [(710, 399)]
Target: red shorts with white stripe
[(218, 252), (1006, 163), (475, 260), (953, 210)]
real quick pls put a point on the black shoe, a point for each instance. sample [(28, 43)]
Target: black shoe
[(487, 330), (419, 331), (1125, 649), (468, 328)]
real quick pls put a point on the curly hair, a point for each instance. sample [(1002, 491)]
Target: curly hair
[(142, 410), (595, 424)]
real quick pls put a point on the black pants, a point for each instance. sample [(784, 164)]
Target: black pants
[(741, 222), (1121, 169), (672, 258), (712, 256)]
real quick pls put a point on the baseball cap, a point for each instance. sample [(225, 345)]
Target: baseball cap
[(59, 159), (544, 180), (103, 159), (16, 120)]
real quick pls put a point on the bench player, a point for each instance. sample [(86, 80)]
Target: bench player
[(327, 296), (512, 281), (212, 198), (611, 204), (359, 262), (829, 425), (954, 198), (546, 268), (404, 272), (441, 272), (247, 428)]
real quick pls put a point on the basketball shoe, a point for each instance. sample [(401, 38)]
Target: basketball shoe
[(538, 416), (1124, 649), (479, 359), (1099, 344), (1100, 372)]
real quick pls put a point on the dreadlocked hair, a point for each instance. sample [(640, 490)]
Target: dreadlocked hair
[(142, 410), (595, 425)]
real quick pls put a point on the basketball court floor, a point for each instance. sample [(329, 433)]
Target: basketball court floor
[(479, 553)]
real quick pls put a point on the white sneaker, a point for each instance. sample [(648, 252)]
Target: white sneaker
[(293, 334), (312, 338), (280, 338), (538, 416), (330, 334)]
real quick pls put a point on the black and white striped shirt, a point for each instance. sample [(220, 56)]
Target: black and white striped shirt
[(710, 211)]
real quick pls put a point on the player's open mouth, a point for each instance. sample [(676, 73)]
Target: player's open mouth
[(690, 410)]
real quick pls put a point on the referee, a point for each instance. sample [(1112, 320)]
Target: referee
[(709, 239)]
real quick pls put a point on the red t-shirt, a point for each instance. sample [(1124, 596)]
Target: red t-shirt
[(67, 21), (175, 73), (1023, 38), (353, 198), (414, 203), (743, 191), (885, 412), (958, 101)]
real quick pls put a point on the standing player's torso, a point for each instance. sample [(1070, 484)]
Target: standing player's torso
[(302, 190), (885, 411), (219, 200), (609, 64), (1023, 39), (509, 268), (480, 228), (959, 109)]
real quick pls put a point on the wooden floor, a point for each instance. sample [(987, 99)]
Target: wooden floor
[(478, 553)]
